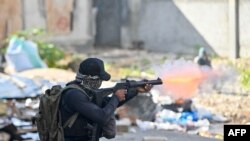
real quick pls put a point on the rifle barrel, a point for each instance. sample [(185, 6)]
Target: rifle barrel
[(142, 83)]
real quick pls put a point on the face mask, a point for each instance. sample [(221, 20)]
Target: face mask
[(91, 84)]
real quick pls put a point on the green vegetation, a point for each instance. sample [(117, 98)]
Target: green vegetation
[(245, 78), (50, 53), (244, 69)]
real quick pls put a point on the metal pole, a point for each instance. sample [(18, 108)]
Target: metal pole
[(237, 30)]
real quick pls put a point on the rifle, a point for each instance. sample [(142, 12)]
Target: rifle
[(101, 93)]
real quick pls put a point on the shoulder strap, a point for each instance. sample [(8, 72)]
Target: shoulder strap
[(74, 86), (73, 118)]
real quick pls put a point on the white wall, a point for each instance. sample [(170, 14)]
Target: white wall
[(244, 19), (180, 26)]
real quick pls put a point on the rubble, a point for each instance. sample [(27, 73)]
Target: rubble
[(19, 99), (17, 87), (187, 116)]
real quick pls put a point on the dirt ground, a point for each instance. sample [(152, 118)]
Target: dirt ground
[(234, 107)]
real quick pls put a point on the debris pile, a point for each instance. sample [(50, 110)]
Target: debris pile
[(19, 94), (186, 116)]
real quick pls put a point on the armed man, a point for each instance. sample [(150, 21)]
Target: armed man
[(92, 114)]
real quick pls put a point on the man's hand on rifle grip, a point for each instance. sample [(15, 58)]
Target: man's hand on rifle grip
[(145, 89), (120, 93)]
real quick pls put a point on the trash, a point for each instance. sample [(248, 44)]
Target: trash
[(145, 125), (132, 130), (202, 123), (173, 107), (18, 87), (180, 105), (191, 121), (219, 118), (203, 113), (20, 50), (10, 89), (187, 116), (17, 122), (32, 136), (123, 121), (169, 126), (167, 116), (199, 126), (173, 117)]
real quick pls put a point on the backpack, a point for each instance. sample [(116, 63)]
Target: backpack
[(48, 117)]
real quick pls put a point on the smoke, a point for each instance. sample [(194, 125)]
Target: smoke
[(227, 80), (182, 78)]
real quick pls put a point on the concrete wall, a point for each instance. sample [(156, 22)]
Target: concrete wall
[(209, 18), (76, 19), (33, 16), (82, 35), (179, 26), (244, 22)]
